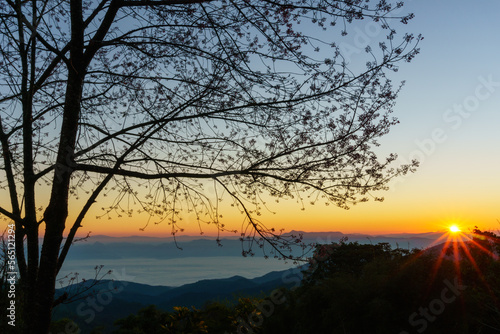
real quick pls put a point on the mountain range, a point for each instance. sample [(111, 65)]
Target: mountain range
[(99, 304), (106, 247)]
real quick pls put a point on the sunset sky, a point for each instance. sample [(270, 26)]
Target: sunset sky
[(449, 111), (450, 117)]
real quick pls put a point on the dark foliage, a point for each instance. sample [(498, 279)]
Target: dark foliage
[(374, 289), (354, 288)]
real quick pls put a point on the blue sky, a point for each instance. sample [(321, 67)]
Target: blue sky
[(453, 86)]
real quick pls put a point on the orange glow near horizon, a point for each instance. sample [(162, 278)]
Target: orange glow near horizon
[(389, 217), (399, 213), (366, 218)]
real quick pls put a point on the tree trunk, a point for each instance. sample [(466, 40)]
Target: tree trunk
[(57, 211), (47, 274)]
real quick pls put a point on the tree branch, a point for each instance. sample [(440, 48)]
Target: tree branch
[(136, 3)]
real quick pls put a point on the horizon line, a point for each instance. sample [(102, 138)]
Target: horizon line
[(377, 234)]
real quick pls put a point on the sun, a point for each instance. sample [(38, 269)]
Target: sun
[(454, 229)]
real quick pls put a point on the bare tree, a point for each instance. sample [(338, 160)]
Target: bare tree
[(156, 100)]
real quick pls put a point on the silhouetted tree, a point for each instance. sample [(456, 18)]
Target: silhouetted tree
[(348, 257), (153, 101)]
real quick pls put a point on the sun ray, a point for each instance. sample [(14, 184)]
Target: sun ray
[(481, 247), (465, 253), (468, 254), (439, 260), (456, 257)]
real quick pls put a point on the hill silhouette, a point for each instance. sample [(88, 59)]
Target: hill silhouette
[(110, 300)]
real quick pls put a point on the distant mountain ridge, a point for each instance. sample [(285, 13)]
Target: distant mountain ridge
[(106, 247)]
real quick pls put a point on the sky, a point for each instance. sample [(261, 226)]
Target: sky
[(449, 112), (450, 117)]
